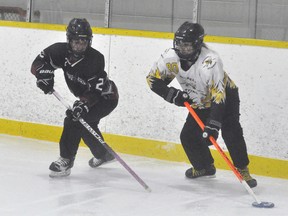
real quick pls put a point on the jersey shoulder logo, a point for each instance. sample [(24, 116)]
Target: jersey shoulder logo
[(209, 62)]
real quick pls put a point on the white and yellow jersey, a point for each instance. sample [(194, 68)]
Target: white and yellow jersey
[(205, 81)]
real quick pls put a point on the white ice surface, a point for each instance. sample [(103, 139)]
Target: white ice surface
[(26, 189)]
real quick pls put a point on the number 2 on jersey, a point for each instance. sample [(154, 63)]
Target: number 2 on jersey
[(99, 84)]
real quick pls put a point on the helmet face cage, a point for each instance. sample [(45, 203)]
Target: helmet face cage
[(188, 40), (79, 35), (78, 46), (184, 49)]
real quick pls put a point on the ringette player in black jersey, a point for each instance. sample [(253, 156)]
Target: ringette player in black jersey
[(83, 68), (212, 94)]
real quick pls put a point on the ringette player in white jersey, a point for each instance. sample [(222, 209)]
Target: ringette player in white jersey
[(212, 94)]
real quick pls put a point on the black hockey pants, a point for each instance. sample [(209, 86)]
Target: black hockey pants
[(73, 131), (198, 153)]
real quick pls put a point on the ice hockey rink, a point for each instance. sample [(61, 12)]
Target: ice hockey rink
[(110, 190)]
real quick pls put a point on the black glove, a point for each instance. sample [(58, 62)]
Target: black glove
[(79, 110), (177, 97), (211, 129), (45, 79)]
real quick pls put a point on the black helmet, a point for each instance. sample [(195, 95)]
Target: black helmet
[(188, 41), (79, 29)]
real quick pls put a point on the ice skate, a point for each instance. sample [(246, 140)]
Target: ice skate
[(61, 167), (95, 162), (193, 173), (247, 177)]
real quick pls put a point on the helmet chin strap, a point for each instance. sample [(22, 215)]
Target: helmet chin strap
[(78, 55), (74, 53), (187, 63), (193, 58), (74, 56)]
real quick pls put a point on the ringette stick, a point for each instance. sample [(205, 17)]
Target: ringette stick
[(106, 146), (257, 202)]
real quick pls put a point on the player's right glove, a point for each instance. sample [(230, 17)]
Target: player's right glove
[(177, 97), (211, 129), (45, 78)]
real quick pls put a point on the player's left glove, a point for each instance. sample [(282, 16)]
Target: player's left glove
[(211, 129), (177, 97), (79, 110)]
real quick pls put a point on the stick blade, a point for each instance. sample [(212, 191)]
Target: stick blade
[(263, 204)]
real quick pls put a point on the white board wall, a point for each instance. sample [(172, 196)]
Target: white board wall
[(260, 73)]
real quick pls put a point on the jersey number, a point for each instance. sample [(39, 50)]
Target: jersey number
[(173, 67), (99, 84)]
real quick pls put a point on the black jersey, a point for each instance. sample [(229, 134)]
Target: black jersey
[(85, 75)]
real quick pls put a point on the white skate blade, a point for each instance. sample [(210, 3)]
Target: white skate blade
[(206, 177), (203, 177), (210, 176), (54, 174)]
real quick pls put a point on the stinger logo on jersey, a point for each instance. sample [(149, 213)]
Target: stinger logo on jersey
[(209, 62)]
